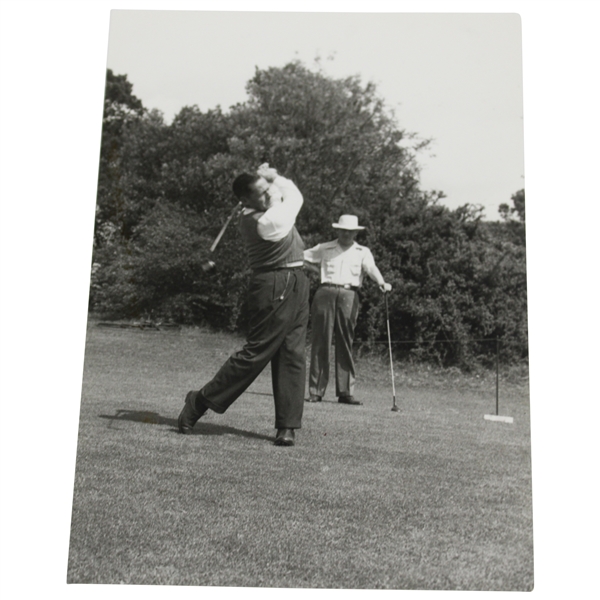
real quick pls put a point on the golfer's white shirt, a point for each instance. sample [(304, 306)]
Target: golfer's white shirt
[(344, 267), (277, 221)]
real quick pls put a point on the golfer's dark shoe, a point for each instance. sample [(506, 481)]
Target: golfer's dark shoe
[(284, 437), (190, 414), (349, 400), (314, 399)]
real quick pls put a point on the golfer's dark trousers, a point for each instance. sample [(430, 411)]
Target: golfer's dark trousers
[(279, 309)]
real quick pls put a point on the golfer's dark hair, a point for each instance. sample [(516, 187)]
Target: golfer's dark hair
[(242, 183)]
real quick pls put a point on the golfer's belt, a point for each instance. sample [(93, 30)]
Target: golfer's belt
[(345, 286), (289, 267)]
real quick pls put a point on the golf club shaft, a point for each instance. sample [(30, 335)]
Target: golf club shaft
[(218, 238), (387, 317)]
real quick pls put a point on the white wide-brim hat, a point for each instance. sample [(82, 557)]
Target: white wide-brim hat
[(349, 222)]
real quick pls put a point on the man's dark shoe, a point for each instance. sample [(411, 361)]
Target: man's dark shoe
[(349, 400), (190, 414), (312, 398), (285, 437)]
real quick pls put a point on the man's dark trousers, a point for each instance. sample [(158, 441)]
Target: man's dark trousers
[(278, 308), (334, 311)]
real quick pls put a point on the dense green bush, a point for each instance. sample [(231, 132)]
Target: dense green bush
[(165, 191)]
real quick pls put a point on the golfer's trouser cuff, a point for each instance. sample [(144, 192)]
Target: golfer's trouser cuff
[(202, 400)]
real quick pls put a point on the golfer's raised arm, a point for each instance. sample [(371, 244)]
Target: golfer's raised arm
[(279, 219)]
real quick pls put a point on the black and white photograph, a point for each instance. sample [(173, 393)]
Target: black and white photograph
[(306, 354), (306, 362)]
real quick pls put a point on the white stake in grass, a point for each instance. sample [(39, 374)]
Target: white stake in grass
[(497, 417)]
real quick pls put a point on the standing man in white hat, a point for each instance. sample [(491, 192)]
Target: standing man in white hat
[(343, 264)]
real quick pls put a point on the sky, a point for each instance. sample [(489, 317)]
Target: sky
[(53, 56), (455, 79)]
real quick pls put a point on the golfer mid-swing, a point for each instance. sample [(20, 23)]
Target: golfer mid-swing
[(343, 264), (277, 306)]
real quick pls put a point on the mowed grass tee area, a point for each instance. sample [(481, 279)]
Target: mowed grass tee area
[(431, 497)]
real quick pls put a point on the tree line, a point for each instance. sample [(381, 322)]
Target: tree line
[(164, 192)]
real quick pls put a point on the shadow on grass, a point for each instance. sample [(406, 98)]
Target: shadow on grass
[(202, 427)]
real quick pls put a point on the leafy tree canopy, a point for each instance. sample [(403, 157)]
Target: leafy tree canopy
[(165, 190)]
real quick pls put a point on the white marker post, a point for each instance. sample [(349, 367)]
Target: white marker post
[(497, 417)]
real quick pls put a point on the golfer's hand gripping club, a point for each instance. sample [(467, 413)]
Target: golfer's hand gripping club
[(266, 172)]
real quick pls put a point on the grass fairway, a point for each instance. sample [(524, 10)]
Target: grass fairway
[(431, 497)]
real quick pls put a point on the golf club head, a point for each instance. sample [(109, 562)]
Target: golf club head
[(208, 266), (395, 408)]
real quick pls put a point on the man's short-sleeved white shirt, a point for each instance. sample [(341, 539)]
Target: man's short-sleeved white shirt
[(339, 266)]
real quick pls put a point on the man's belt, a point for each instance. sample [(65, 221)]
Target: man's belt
[(288, 267), (345, 286)]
